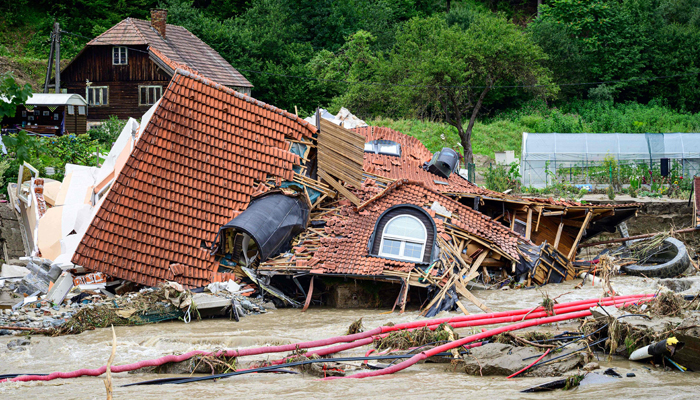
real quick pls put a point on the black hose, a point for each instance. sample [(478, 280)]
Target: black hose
[(596, 331), (167, 381), (567, 354), (11, 376)]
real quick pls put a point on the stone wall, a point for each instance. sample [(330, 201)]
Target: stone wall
[(10, 234)]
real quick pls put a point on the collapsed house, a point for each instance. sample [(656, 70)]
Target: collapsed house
[(215, 185)]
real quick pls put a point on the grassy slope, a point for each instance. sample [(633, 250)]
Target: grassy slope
[(18, 49), (504, 132), (499, 135)]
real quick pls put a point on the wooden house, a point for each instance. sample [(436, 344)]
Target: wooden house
[(125, 70), (50, 114)]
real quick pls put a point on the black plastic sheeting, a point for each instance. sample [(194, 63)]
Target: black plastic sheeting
[(448, 303), (272, 221), (523, 266)]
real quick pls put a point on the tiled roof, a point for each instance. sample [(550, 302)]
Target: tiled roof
[(414, 154), (179, 45), (345, 250), (409, 165), (197, 162)]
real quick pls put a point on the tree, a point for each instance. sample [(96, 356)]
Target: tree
[(458, 68), (12, 95)]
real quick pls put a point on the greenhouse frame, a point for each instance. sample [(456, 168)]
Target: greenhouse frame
[(600, 158)]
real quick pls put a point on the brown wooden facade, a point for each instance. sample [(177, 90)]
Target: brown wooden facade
[(45, 120), (94, 64)]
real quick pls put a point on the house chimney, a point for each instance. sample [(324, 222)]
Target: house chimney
[(159, 17)]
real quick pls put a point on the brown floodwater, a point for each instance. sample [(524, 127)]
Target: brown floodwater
[(91, 350)]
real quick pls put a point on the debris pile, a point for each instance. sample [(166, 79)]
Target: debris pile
[(85, 309)]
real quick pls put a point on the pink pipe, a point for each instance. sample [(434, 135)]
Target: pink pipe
[(563, 310), (449, 346), (304, 345)]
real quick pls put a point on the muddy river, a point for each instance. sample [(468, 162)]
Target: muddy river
[(91, 349)]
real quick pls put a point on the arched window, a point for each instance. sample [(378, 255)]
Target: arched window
[(404, 237)]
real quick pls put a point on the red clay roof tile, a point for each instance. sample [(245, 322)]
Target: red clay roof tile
[(169, 196)]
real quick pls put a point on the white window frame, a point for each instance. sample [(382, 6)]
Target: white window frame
[(71, 109), (103, 89), (404, 240), (147, 87), (118, 50)]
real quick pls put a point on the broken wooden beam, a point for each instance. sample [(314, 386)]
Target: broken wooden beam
[(574, 247)]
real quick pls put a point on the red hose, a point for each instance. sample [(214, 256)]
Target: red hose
[(526, 368), (466, 320), (346, 346), (449, 346)]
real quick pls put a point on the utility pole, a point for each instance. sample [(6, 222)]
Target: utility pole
[(48, 66), (55, 49), (57, 41)]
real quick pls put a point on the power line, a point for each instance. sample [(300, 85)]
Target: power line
[(366, 83)]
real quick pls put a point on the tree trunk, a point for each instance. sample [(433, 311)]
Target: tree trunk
[(466, 134), (466, 141), (448, 5)]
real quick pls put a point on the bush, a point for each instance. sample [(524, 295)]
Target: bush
[(108, 132), (611, 192), (503, 177)]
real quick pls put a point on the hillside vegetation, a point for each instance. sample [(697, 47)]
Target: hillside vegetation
[(413, 65)]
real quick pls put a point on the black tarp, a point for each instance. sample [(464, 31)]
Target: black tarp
[(272, 221)]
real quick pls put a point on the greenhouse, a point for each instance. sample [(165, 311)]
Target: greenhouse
[(607, 158)]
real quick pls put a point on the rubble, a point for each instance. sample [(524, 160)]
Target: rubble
[(504, 359), (84, 310)]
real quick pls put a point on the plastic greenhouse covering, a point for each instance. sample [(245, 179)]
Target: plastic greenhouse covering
[(576, 156)]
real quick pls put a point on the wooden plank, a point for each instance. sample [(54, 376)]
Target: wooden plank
[(469, 296), (336, 150), (572, 252), (341, 154), (340, 188), (556, 241), (477, 263), (539, 216), (330, 129), (528, 228), (341, 170), (553, 213), (461, 307)]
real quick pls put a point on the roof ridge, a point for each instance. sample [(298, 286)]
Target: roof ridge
[(196, 76), (138, 31)]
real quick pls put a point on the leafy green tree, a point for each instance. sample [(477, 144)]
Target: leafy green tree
[(23, 146), (455, 69), (12, 95)]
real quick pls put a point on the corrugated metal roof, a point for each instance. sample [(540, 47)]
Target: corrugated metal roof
[(56, 99)]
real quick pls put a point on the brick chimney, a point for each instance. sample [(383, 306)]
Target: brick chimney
[(159, 17)]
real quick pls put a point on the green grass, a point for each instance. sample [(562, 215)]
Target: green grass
[(504, 131), (486, 138)]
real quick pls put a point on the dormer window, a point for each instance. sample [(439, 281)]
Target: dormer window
[(404, 238), (119, 55), (386, 147), (404, 232)]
